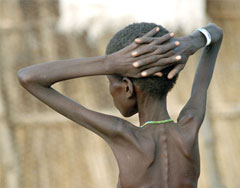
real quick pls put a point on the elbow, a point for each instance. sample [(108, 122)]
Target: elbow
[(218, 33), (30, 76), (24, 77)]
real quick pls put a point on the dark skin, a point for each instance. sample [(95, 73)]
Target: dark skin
[(155, 156)]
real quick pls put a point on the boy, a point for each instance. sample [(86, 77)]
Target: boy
[(142, 64)]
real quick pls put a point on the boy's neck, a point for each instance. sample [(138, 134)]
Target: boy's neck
[(151, 108)]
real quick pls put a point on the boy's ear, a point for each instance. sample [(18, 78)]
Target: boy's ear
[(129, 87)]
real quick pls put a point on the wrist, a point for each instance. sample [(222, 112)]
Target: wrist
[(109, 65), (207, 36), (197, 41)]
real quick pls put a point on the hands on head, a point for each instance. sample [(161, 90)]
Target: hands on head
[(149, 55)]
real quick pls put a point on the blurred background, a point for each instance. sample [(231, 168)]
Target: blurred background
[(41, 149)]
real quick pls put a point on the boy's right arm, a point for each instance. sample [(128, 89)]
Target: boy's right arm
[(193, 112)]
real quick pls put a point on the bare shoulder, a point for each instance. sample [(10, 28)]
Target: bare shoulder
[(126, 134), (185, 133)]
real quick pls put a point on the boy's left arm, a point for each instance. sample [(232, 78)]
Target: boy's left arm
[(195, 106)]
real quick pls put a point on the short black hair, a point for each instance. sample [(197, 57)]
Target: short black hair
[(155, 86)]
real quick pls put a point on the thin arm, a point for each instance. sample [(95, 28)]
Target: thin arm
[(38, 79), (194, 110)]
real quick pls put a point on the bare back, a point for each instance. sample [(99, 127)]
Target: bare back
[(160, 156), (155, 156)]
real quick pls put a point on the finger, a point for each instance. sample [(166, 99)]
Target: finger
[(167, 61), (146, 61), (164, 38), (168, 54), (165, 48), (155, 40), (152, 32), (152, 71), (143, 50), (161, 64), (144, 40), (161, 56), (132, 46), (175, 71)]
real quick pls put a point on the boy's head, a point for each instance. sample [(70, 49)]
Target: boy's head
[(154, 86)]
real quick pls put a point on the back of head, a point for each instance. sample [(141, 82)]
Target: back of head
[(155, 86)]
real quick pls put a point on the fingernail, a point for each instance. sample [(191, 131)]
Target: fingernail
[(171, 34), (137, 40), (144, 73), (177, 43), (159, 74), (134, 53), (178, 57), (135, 64), (157, 29)]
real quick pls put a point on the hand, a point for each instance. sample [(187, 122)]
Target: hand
[(177, 56), (192, 43), (184, 50), (144, 57)]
